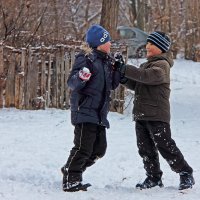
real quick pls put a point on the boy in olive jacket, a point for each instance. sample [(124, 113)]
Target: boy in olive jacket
[(151, 83)]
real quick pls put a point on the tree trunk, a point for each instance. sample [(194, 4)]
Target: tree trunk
[(189, 37), (56, 20), (140, 14), (133, 11), (109, 16)]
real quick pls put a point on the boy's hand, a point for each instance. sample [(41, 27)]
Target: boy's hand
[(119, 64), (119, 61), (84, 74)]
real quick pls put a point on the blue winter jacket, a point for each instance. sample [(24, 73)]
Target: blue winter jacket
[(90, 100)]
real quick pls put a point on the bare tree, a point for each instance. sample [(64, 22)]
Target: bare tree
[(34, 22), (133, 11), (56, 19), (10, 20), (140, 19), (109, 16), (192, 27)]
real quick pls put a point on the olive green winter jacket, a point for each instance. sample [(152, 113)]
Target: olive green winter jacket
[(151, 83)]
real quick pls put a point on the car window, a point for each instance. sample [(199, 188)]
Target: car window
[(127, 34)]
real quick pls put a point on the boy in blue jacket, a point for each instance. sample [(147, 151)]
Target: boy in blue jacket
[(91, 80)]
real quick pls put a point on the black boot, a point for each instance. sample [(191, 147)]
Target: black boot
[(72, 182), (149, 183), (186, 180), (75, 187)]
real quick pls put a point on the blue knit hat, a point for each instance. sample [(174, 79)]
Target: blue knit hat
[(97, 35), (160, 39)]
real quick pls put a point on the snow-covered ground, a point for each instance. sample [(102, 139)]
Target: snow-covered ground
[(35, 144)]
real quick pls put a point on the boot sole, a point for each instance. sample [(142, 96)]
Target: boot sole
[(83, 187), (144, 188)]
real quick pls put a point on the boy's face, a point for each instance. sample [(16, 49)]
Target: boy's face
[(152, 50), (105, 47)]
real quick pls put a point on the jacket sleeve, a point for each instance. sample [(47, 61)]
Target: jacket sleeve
[(115, 79), (154, 75), (74, 82), (130, 84)]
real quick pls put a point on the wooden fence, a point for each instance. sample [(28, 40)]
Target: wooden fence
[(196, 53), (35, 78)]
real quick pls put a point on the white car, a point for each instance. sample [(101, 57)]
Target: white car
[(135, 39)]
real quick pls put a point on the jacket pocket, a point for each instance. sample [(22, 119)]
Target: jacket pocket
[(82, 101), (149, 110), (85, 102), (145, 108)]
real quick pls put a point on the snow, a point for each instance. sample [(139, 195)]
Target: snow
[(35, 144)]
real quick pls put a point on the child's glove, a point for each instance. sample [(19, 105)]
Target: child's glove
[(119, 64), (119, 61), (84, 74)]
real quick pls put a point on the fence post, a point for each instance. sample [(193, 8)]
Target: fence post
[(58, 79), (43, 77), (31, 80), (17, 81), (62, 78), (53, 82), (72, 56), (10, 83), (67, 69), (26, 80), (2, 80), (22, 76), (48, 94)]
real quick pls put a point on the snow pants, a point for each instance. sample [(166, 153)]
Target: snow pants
[(154, 137), (89, 144)]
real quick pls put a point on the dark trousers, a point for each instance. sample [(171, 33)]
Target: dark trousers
[(154, 136), (89, 144)]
